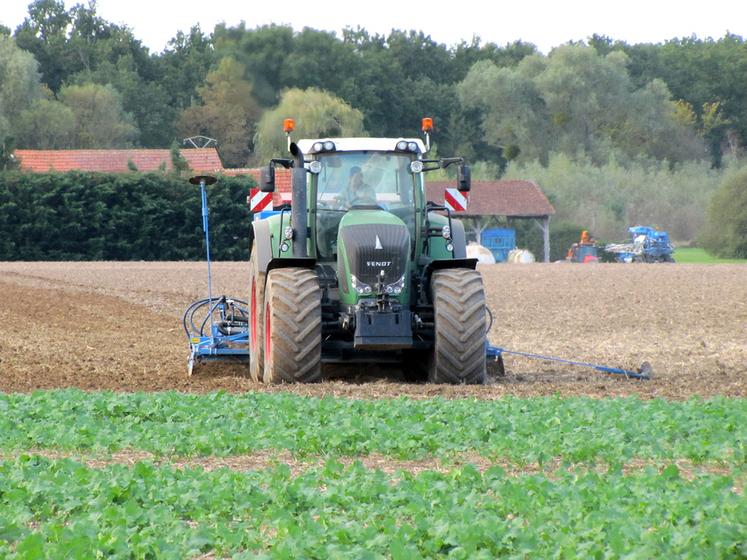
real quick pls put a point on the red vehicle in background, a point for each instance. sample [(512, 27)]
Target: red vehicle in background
[(585, 251)]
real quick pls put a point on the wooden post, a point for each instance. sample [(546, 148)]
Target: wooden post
[(478, 227), (544, 225)]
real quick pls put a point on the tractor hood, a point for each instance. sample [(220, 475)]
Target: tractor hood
[(369, 242)]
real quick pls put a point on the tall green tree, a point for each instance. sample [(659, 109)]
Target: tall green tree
[(726, 232), (228, 112), (100, 120), (317, 113), (47, 124), (262, 52), (77, 46), (513, 112), (702, 72), (44, 33), (393, 79), (576, 102), (19, 80), (184, 65)]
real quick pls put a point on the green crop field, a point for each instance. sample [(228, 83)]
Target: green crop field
[(695, 255), (169, 475)]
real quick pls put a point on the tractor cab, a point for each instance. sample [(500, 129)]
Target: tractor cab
[(364, 199), (360, 175)]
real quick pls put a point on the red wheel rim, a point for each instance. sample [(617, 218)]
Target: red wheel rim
[(253, 312)]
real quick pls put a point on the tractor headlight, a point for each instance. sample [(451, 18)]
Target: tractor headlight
[(397, 287), (323, 146), (416, 166), (288, 232), (446, 232), (406, 146), (361, 288)]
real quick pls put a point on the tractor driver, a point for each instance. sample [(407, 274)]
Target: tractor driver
[(357, 191)]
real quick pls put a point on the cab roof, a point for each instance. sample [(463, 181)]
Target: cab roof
[(360, 144)]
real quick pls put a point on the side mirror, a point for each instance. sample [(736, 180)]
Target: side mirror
[(267, 179), (464, 178)]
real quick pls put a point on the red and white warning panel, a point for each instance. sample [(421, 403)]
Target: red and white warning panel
[(259, 200), (455, 200)]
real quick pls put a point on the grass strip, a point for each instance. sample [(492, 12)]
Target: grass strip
[(696, 255)]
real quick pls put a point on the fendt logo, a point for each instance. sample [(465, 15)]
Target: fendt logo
[(379, 263)]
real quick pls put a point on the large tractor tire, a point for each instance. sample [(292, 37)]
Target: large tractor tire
[(460, 325), (292, 327), (256, 306)]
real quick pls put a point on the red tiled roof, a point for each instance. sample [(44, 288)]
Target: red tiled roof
[(202, 160), (499, 198)]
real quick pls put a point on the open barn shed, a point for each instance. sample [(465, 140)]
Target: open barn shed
[(510, 199)]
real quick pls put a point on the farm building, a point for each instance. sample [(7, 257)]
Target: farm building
[(512, 199)]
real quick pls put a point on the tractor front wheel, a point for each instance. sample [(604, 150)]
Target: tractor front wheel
[(460, 325), (292, 327)]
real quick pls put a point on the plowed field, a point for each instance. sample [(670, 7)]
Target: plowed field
[(118, 326)]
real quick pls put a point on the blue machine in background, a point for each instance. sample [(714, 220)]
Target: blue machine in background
[(646, 244), (500, 242)]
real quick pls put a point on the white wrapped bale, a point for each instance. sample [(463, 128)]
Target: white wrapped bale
[(482, 254)]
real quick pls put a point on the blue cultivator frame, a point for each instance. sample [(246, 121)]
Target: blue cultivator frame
[(227, 337), (644, 372)]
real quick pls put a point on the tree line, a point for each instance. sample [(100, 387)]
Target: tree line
[(72, 79), (623, 114)]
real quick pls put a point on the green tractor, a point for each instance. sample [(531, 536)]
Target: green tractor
[(362, 268)]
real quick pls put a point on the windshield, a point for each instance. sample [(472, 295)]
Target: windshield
[(362, 180)]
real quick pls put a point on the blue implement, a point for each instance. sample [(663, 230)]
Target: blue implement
[(644, 372), (217, 327)]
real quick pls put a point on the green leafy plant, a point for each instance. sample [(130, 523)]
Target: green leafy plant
[(522, 430), (54, 509)]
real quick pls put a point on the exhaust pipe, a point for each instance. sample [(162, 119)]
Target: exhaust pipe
[(299, 203)]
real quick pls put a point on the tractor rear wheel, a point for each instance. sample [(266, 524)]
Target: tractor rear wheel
[(256, 305), (292, 327), (460, 325)]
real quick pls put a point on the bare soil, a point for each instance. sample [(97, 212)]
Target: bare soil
[(117, 326), (267, 459)]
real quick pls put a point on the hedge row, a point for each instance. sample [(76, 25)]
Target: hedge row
[(133, 216)]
